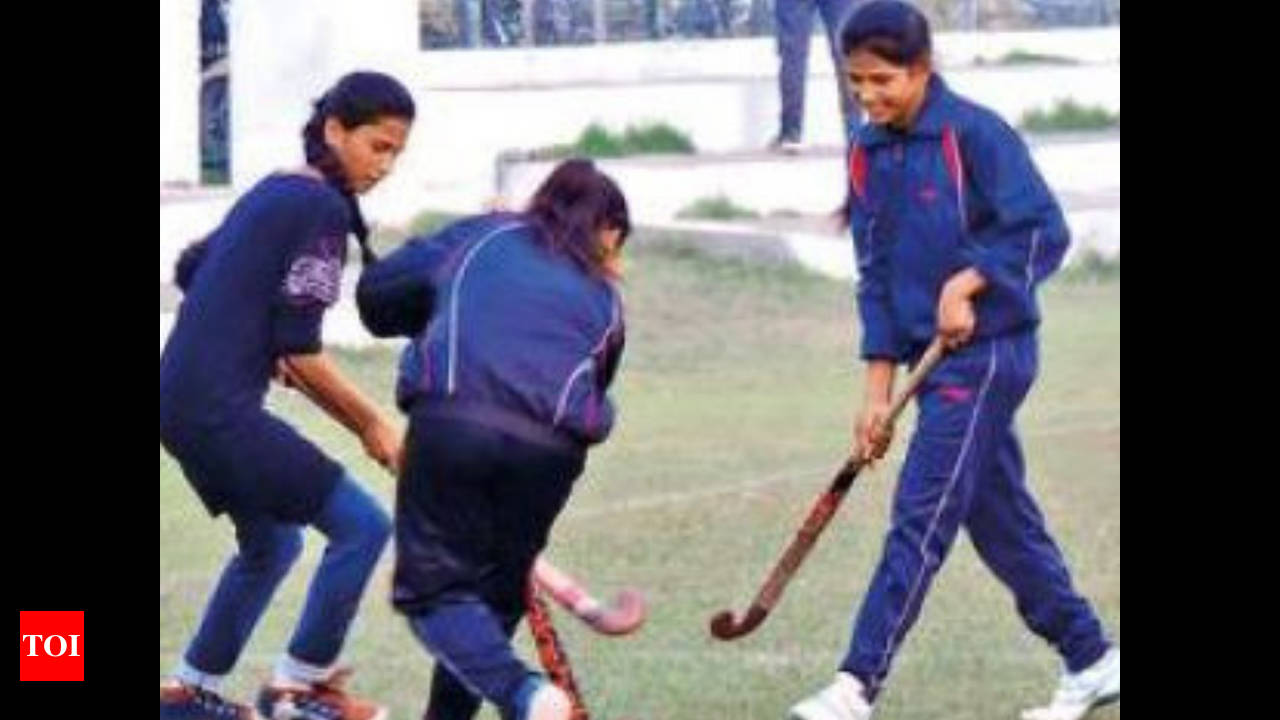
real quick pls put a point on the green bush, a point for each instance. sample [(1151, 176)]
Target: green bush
[(1022, 57), (1069, 115), (715, 208), (656, 139), (598, 142)]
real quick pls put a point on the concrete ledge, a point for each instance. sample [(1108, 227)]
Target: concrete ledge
[(1083, 170)]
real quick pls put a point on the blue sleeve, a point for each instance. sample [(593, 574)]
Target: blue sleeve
[(874, 308), (396, 295), (1022, 236), (312, 282)]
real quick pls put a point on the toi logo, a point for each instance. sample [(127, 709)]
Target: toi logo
[(51, 645)]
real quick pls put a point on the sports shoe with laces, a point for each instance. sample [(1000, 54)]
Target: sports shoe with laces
[(327, 700), (189, 702)]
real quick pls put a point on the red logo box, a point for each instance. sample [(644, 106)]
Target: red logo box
[(51, 645)]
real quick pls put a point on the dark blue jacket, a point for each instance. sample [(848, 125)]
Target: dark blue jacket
[(504, 331), (957, 190)]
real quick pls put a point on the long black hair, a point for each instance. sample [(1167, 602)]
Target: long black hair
[(573, 205), (359, 98)]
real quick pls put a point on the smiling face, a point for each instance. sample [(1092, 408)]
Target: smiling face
[(890, 94), (367, 152)]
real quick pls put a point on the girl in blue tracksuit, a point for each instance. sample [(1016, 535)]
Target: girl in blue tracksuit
[(256, 290), (517, 332), (954, 229)]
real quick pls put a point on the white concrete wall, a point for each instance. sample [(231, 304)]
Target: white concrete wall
[(722, 93), (285, 53), (179, 91), (474, 104), (450, 160)]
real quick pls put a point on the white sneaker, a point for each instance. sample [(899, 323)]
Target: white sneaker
[(549, 702), (1077, 694), (843, 699)]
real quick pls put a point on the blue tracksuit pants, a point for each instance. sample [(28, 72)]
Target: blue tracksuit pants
[(964, 468)]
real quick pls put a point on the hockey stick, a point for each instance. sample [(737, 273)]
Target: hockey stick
[(551, 653), (724, 625), (623, 616)]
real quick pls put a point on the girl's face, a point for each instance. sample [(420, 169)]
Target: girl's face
[(890, 94), (367, 152), (610, 240)]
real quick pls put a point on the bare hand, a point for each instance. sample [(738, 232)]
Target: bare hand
[(382, 443), (872, 432), (956, 319)]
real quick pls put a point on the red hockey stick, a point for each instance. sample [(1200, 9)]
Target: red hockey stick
[(551, 653), (727, 627)]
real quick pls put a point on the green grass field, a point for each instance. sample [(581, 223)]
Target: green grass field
[(736, 398)]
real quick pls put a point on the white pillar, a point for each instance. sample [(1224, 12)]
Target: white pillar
[(179, 91)]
